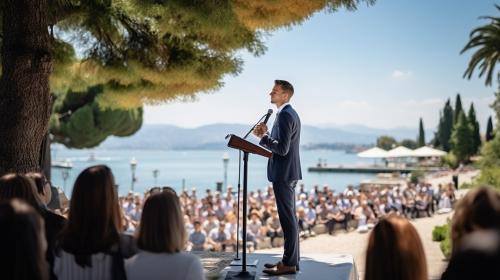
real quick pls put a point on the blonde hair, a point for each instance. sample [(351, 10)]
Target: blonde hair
[(395, 252), (479, 208), (162, 224)]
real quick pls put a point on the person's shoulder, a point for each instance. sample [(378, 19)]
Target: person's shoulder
[(53, 219)]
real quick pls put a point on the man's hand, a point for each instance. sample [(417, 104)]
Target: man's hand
[(260, 130)]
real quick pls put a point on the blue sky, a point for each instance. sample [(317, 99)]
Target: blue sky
[(382, 66)]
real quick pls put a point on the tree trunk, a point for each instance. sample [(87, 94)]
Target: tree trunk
[(24, 85)]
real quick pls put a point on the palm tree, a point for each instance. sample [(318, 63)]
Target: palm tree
[(487, 41)]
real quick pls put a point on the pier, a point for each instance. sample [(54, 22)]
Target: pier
[(371, 169)]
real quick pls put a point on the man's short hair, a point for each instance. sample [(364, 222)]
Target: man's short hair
[(285, 85)]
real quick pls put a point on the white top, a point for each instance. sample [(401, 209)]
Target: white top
[(65, 267), (151, 266), (281, 107)]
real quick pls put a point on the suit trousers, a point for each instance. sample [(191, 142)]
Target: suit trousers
[(285, 202)]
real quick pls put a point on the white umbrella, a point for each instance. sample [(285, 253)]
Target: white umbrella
[(400, 152), (428, 152), (374, 152)]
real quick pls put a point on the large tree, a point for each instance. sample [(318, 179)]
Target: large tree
[(386, 142), (485, 41), (408, 143), (138, 51)]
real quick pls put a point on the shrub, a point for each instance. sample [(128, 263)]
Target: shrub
[(442, 234), (445, 246), (490, 176), (439, 233)]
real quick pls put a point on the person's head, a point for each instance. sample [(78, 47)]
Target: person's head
[(478, 209), (274, 212), (162, 225), (395, 251), (301, 212), (197, 225), (19, 186), (42, 186), (222, 226), (255, 216), (477, 258), (281, 93), (211, 216), (94, 220), (23, 243)]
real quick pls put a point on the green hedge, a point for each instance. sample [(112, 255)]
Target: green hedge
[(442, 234)]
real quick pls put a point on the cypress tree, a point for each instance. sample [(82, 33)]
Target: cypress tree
[(489, 130), (476, 135), (461, 139), (458, 108), (421, 134), (446, 126)]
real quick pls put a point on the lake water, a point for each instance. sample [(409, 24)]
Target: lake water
[(199, 169)]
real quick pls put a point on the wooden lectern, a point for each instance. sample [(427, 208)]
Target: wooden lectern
[(247, 148)]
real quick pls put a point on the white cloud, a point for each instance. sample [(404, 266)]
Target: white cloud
[(399, 74), (354, 104)]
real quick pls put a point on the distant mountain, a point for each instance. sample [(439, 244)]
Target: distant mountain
[(212, 136)]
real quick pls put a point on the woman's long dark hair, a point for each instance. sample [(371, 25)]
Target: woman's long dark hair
[(19, 186), (22, 239), (94, 221)]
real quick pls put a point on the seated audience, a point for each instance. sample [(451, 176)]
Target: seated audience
[(395, 251), (161, 238)]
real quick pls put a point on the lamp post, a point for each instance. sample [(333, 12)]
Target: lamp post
[(155, 175), (225, 161), (66, 169), (133, 166)]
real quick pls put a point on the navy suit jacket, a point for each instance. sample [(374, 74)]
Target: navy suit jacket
[(284, 142)]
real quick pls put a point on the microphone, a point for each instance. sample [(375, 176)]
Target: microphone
[(269, 113), (266, 118)]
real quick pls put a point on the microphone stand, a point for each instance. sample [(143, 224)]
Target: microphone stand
[(237, 258)]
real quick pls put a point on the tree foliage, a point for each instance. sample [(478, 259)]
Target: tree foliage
[(461, 139), (408, 143), (79, 122), (489, 130), (476, 134), (485, 40), (421, 134), (445, 126), (148, 52), (386, 142), (458, 108)]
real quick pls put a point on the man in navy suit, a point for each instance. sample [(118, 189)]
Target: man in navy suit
[(283, 170)]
